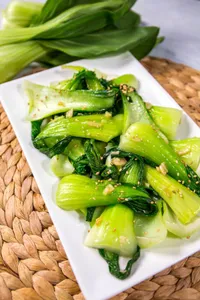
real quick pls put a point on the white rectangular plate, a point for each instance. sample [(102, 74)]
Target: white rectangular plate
[(90, 269)]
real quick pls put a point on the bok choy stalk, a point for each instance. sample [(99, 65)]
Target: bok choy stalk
[(76, 21), (184, 203), (143, 140), (176, 227), (135, 110), (167, 119), (77, 192), (61, 166), (20, 13), (113, 233), (127, 79), (98, 127), (150, 230), (13, 61), (76, 152), (46, 101), (189, 151)]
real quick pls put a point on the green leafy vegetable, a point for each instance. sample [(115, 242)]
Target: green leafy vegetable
[(76, 192), (90, 213), (179, 229), (20, 13), (143, 139), (105, 42), (61, 166), (150, 231), (167, 119), (113, 263), (15, 57), (127, 79), (93, 126), (93, 156), (113, 231), (75, 21), (133, 172), (189, 151), (184, 203), (45, 101)]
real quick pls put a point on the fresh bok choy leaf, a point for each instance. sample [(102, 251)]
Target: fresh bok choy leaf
[(150, 230), (176, 227), (75, 21), (77, 192), (167, 119), (61, 166), (143, 139), (113, 231), (104, 42), (184, 203), (98, 127), (46, 101), (189, 151)]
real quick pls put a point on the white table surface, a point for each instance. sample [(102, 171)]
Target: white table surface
[(179, 22)]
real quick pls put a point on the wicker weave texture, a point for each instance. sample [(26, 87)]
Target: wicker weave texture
[(33, 264)]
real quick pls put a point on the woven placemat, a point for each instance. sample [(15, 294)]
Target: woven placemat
[(33, 264)]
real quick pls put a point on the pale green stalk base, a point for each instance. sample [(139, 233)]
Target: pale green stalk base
[(114, 231), (16, 57), (184, 203)]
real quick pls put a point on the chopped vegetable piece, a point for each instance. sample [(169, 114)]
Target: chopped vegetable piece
[(167, 119), (184, 203), (77, 192), (135, 110), (179, 229), (113, 231), (93, 156), (75, 149), (150, 231), (46, 101), (127, 79), (61, 166), (188, 150), (94, 126), (143, 139), (133, 172)]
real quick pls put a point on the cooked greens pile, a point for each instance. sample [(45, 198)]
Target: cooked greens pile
[(119, 163), (64, 30)]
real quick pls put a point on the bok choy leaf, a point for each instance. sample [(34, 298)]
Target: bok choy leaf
[(167, 119), (77, 192), (46, 101), (184, 203), (150, 230), (113, 231), (98, 127), (143, 140), (176, 227)]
